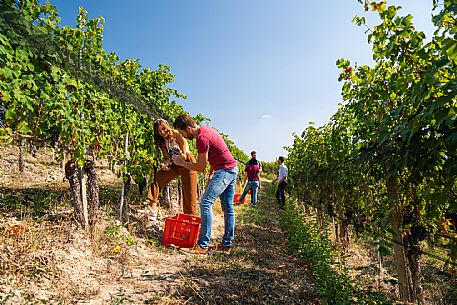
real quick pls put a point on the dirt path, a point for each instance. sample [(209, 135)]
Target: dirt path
[(46, 259), (258, 271)]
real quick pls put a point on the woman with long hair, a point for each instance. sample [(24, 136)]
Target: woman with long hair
[(172, 143)]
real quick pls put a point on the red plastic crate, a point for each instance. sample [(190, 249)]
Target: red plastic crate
[(182, 230), (237, 197)]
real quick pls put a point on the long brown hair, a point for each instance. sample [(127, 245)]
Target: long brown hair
[(158, 139)]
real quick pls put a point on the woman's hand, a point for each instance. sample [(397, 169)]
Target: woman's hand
[(178, 160), (166, 165)]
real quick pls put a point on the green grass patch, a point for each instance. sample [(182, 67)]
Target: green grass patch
[(312, 244), (249, 215)]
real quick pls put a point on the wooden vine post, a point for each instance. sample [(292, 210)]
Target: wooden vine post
[(21, 154), (83, 191), (123, 191), (399, 250)]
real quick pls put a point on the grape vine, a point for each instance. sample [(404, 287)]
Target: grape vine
[(58, 84), (385, 162)]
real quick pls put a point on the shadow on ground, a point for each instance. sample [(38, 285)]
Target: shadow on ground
[(258, 271), (46, 200)]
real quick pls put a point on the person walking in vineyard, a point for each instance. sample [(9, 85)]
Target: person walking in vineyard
[(254, 159), (252, 169), (223, 167), (172, 143), (282, 183)]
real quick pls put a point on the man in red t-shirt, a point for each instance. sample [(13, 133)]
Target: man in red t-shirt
[(252, 170), (211, 148)]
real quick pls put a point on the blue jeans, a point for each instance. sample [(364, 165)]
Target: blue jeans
[(222, 185), (252, 185)]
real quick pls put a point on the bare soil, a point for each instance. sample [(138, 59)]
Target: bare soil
[(45, 258)]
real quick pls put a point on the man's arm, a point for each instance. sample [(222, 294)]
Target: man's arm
[(182, 143), (258, 175), (198, 166), (276, 179), (284, 175)]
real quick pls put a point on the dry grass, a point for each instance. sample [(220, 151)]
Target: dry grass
[(258, 271), (45, 257), (440, 288)]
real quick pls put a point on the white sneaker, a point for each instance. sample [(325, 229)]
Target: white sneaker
[(151, 214)]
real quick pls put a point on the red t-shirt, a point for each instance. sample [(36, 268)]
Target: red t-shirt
[(219, 156), (252, 172)]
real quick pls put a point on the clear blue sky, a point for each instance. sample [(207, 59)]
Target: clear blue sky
[(260, 69)]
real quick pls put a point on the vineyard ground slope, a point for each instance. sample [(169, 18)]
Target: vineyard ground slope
[(46, 258)]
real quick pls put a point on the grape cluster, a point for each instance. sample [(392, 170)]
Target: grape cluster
[(418, 233), (54, 137), (2, 115), (142, 185), (452, 217), (174, 151)]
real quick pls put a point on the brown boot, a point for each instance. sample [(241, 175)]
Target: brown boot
[(224, 249), (195, 250)]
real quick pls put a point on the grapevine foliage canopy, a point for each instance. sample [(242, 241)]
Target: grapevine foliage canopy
[(57, 83), (392, 142)]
